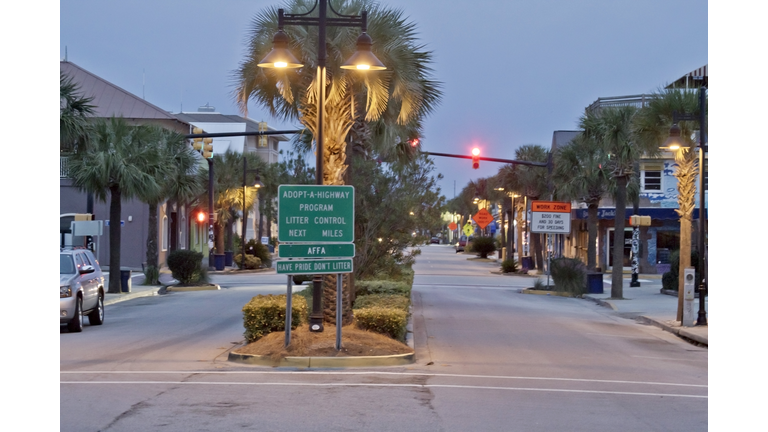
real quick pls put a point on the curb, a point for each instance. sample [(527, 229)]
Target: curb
[(117, 298), (329, 362), (548, 293), (675, 329), (173, 288)]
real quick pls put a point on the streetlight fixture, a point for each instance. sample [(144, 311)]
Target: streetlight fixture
[(257, 184), (363, 59), (674, 142)]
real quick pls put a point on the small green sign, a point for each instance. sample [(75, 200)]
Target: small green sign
[(316, 250), (316, 214), (328, 266)]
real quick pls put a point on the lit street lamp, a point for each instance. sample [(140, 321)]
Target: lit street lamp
[(673, 143), (280, 57)]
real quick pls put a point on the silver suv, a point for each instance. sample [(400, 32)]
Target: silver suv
[(81, 288)]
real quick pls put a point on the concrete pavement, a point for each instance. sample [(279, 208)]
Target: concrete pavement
[(646, 303)]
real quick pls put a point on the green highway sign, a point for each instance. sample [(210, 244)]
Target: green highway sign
[(316, 250), (329, 266), (316, 214)]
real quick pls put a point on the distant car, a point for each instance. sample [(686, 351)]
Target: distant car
[(81, 289), (461, 244), (435, 240)]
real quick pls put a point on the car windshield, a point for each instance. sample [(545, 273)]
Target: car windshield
[(66, 266)]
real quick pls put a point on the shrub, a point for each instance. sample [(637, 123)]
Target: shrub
[(151, 275), (382, 300), (251, 262), (258, 249), (186, 266), (387, 321), (368, 287), (298, 279), (670, 280), (569, 275), (539, 285), (508, 266), (266, 314), (483, 246)]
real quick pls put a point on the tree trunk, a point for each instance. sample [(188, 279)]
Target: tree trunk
[(261, 226), (329, 300), (537, 251), (219, 247), (592, 235), (115, 207), (685, 261), (152, 256), (617, 273)]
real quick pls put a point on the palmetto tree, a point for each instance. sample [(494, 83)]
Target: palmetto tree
[(178, 180), (121, 162), (528, 181), (579, 175), (652, 129), (373, 103), (74, 110)]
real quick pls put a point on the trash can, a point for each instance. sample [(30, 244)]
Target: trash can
[(594, 283), (218, 261), (228, 258), (125, 280), (527, 263)]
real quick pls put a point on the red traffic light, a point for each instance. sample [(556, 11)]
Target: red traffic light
[(201, 217), (475, 158), (414, 142)]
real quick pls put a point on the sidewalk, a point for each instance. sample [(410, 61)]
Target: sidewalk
[(137, 289), (648, 304)]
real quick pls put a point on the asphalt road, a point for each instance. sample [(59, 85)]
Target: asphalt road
[(488, 358)]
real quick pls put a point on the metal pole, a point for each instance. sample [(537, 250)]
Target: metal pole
[(288, 310), (702, 318), (339, 287), (245, 214), (316, 317), (210, 214)]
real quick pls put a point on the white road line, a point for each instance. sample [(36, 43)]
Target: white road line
[(381, 373), (385, 385)]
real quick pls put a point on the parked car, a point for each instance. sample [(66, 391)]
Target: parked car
[(435, 240), (461, 244), (81, 289)]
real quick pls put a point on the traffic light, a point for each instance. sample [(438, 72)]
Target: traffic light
[(414, 142), (475, 158), (200, 217), (208, 148), (197, 143)]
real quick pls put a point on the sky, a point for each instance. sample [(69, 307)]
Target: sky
[(512, 72)]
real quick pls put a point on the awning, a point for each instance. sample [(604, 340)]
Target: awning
[(692, 79), (654, 213)]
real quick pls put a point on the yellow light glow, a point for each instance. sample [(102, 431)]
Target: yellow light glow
[(674, 147), (363, 66), (281, 64)]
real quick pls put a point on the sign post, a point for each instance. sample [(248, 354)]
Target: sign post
[(550, 217), (316, 234)]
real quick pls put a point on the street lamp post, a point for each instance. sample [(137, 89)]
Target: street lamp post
[(258, 184), (674, 142), (362, 59)]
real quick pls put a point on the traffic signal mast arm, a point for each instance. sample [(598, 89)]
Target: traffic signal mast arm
[(510, 161), (232, 134)]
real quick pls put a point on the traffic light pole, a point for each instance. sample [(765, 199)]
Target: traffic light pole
[(509, 161)]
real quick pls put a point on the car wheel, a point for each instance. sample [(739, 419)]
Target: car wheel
[(96, 317), (76, 325)]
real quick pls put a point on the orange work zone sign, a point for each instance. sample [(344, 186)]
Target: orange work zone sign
[(550, 206), (452, 226), (482, 218)]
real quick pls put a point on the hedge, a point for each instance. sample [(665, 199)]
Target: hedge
[(390, 322), (395, 301), (266, 314), (368, 287)]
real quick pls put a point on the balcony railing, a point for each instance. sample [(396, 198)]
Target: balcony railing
[(638, 101)]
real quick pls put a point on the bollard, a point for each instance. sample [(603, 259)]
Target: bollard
[(688, 296)]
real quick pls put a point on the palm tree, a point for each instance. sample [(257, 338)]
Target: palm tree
[(652, 128), (398, 97), (178, 180), (529, 181), (612, 129), (579, 175), (120, 162), (73, 115)]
